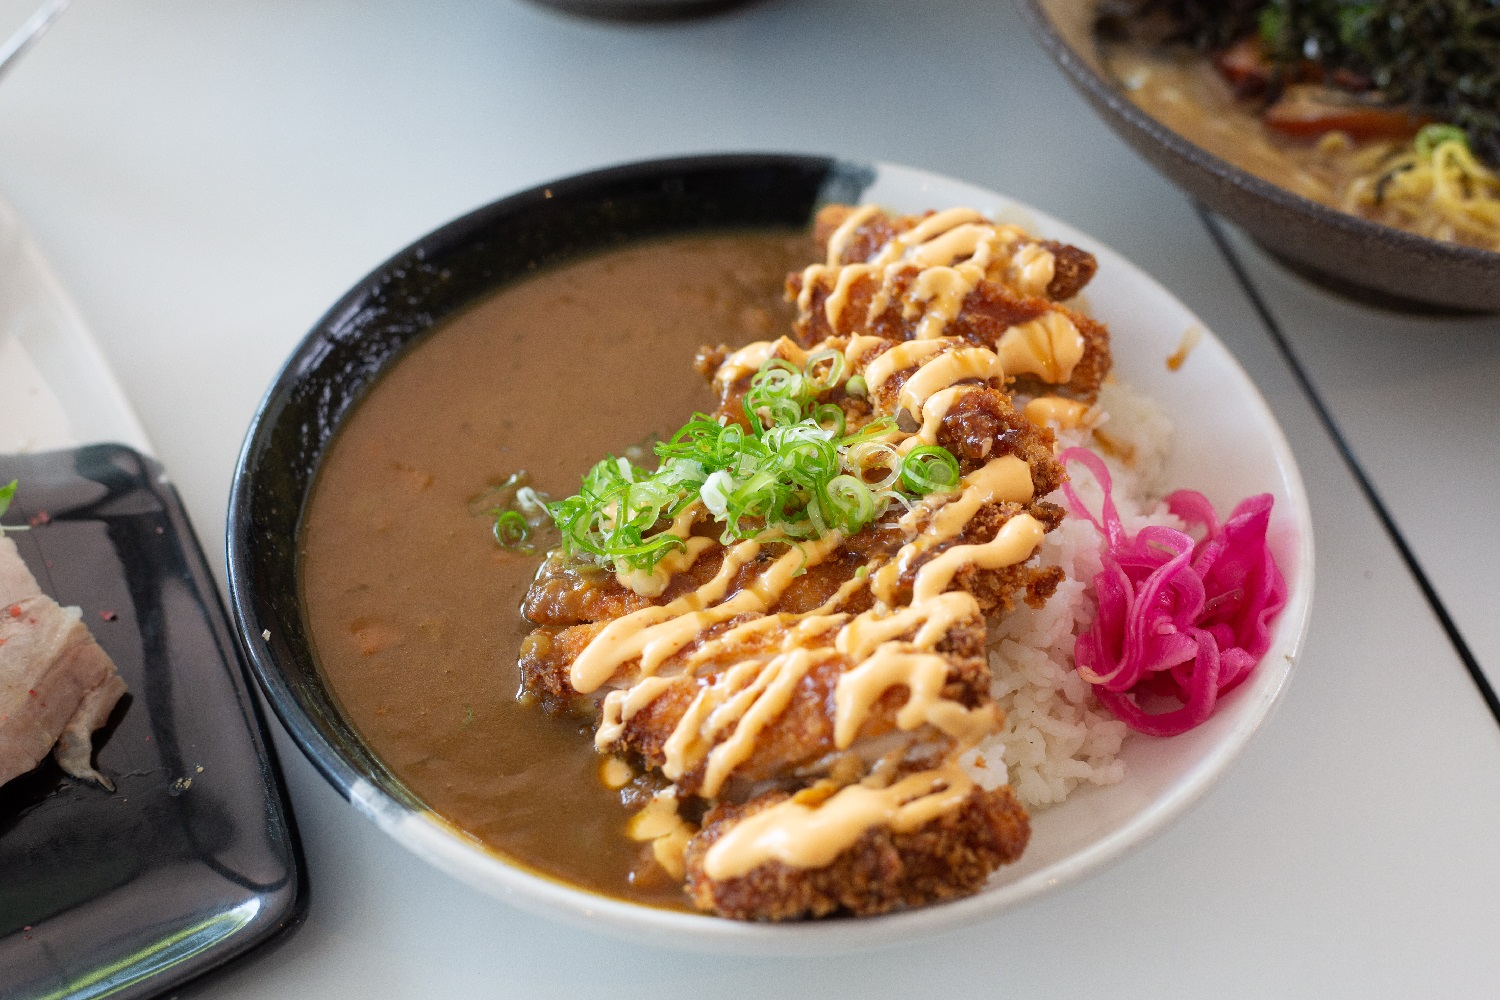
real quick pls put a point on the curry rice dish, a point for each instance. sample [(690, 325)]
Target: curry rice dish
[(769, 711)]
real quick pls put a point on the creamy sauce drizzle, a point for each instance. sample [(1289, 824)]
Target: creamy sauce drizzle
[(1067, 414), (953, 366), (1048, 347), (666, 831), (944, 257), (652, 584), (1002, 480), (748, 359), (805, 834)]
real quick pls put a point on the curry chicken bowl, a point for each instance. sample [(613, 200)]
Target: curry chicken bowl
[(716, 544)]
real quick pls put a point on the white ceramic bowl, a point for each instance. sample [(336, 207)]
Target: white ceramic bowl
[(1228, 446)]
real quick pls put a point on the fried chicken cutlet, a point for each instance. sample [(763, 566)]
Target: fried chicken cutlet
[(809, 697), (955, 274), (1027, 268)]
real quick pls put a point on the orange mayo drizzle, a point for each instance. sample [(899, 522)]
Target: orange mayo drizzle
[(819, 619), (833, 306), (759, 694), (1014, 543), (749, 696), (858, 346), (846, 274), (923, 675), (1006, 479), (1048, 347), (868, 631), (615, 773), (686, 745), (805, 836), (944, 280), (1032, 269), (626, 637), (902, 357), (748, 359), (933, 411), (869, 640), (660, 824), (655, 633), (838, 242), (893, 258), (949, 253), (652, 584), (751, 710), (943, 371), (1067, 414), (622, 705)]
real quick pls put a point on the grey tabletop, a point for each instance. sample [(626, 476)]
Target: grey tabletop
[(208, 177)]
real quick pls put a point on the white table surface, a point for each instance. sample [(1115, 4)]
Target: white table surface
[(1414, 397), (207, 177)]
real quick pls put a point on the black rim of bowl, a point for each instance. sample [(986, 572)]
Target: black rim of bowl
[(1110, 94), (391, 308)]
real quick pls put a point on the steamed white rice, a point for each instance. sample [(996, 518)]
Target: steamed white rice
[(1056, 735)]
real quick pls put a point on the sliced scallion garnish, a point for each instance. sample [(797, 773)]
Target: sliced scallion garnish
[(797, 473), (929, 469), (511, 529), (519, 512)]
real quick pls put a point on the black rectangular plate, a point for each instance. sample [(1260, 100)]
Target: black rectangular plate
[(193, 859)]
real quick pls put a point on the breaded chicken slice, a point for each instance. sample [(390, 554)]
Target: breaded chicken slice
[(950, 856), (1072, 268), (992, 316)]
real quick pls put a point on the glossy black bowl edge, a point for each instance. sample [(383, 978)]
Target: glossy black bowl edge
[(390, 309), (1326, 245)]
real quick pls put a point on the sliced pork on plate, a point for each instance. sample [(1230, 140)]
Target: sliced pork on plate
[(57, 686)]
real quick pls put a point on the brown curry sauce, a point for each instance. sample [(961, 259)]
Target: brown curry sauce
[(411, 604)]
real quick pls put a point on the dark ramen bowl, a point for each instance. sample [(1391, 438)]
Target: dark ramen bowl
[(1371, 261), (442, 274)]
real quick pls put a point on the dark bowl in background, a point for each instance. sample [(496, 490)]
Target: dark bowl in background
[(1350, 254)]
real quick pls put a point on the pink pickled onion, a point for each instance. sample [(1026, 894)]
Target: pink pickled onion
[(1184, 619)]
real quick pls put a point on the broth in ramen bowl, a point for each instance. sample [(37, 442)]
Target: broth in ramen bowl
[(1295, 199)]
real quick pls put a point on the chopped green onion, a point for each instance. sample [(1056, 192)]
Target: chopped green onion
[(869, 457), (830, 413), (846, 503), (857, 386), (829, 378), (7, 494), (877, 428), (519, 512), (511, 529), (929, 469), (798, 472)]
